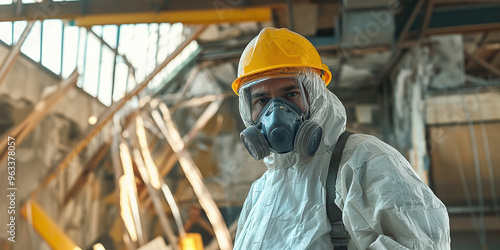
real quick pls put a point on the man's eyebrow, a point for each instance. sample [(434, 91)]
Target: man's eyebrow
[(288, 88), (258, 94)]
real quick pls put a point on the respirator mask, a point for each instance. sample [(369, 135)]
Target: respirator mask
[(280, 112)]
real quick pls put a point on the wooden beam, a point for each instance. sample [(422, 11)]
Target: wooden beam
[(195, 102), (408, 23), (115, 50), (190, 80), (107, 115), (170, 156), (149, 174), (193, 174), (84, 174), (427, 19), (397, 55), (129, 203), (493, 69), (461, 2), (462, 29), (232, 230), (476, 52), (41, 109), (146, 177), (92, 164), (8, 63), (496, 58)]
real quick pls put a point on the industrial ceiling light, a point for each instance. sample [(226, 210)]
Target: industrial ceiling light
[(98, 246), (92, 120)]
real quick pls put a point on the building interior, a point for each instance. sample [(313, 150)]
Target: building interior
[(125, 132)]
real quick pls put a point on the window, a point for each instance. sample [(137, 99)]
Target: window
[(31, 46), (52, 45), (70, 49), (6, 32)]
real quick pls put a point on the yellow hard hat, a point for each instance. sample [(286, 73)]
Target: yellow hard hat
[(278, 48)]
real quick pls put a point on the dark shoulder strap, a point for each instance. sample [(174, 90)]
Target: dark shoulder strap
[(339, 234)]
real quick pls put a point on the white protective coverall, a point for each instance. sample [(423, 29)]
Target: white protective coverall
[(385, 204)]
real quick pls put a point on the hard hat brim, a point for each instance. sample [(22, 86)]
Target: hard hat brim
[(236, 85)]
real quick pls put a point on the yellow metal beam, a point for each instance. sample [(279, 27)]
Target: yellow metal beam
[(192, 241), (47, 228), (262, 14)]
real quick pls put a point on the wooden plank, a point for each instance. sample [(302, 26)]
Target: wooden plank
[(453, 167), (460, 108)]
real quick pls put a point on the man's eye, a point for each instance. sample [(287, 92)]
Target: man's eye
[(292, 94), (261, 101)]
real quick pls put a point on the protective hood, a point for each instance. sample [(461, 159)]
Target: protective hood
[(384, 203), (325, 109)]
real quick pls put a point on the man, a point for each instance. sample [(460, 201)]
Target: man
[(293, 123)]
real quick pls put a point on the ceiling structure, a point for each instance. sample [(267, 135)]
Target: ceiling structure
[(360, 41)]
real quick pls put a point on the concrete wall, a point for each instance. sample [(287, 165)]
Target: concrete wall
[(24, 86)]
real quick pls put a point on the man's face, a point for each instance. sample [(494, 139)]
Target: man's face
[(262, 92)]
